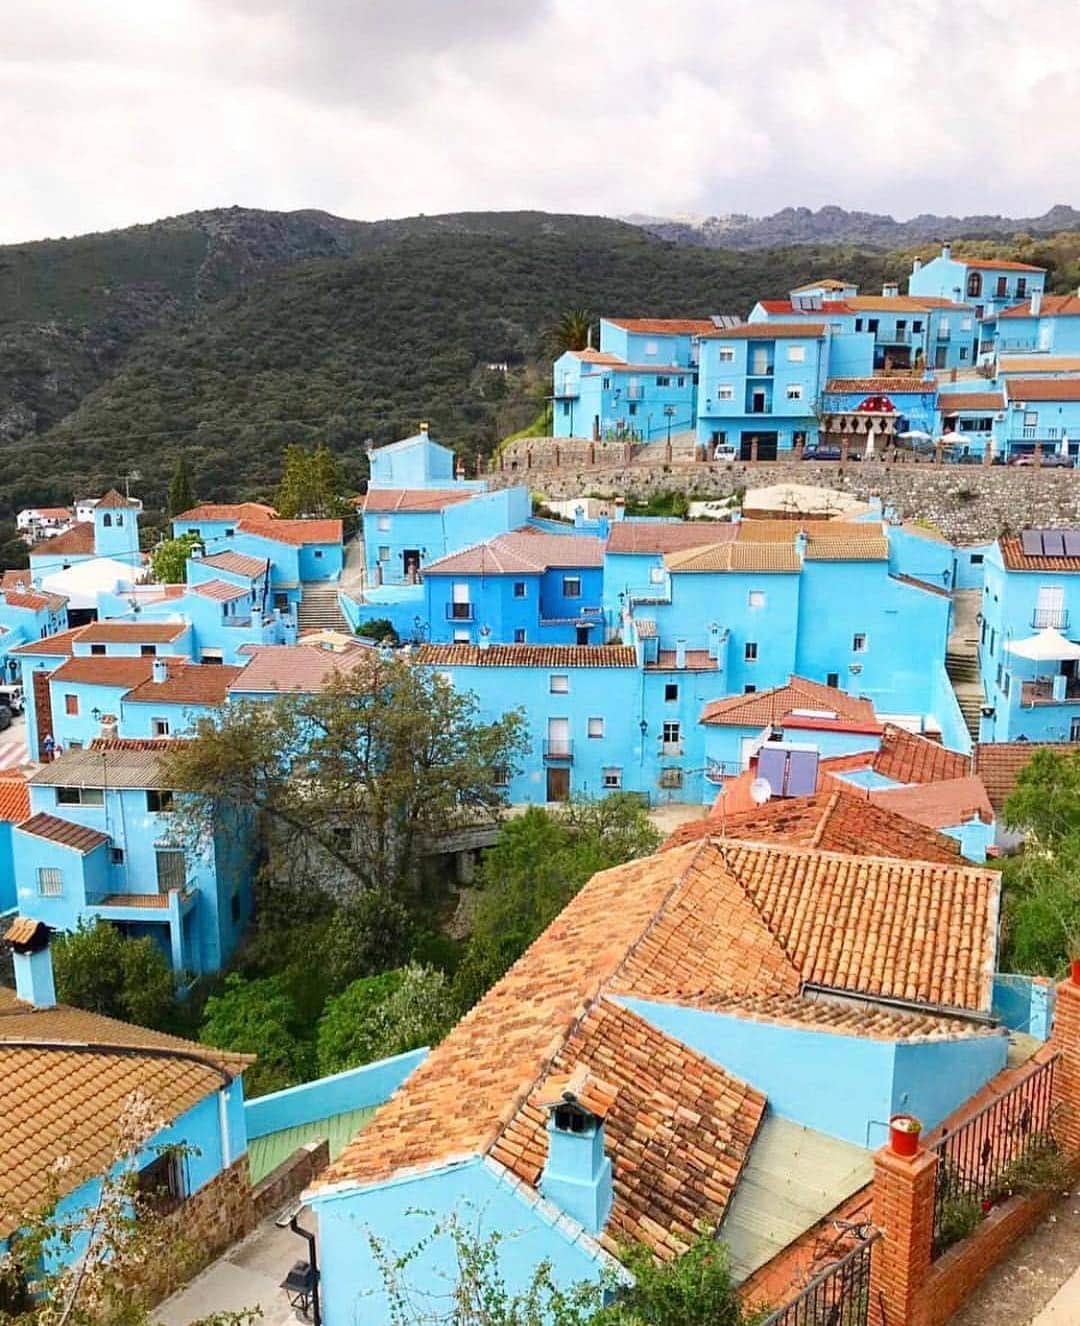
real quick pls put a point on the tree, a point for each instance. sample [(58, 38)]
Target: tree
[(259, 1017), (354, 778), (168, 561), (384, 1015), (570, 332), (1046, 801), (99, 969), (379, 629), (312, 484), (181, 494)]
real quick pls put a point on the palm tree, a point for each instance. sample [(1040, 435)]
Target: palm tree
[(571, 332)]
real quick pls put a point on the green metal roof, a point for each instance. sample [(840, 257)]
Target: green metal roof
[(266, 1153)]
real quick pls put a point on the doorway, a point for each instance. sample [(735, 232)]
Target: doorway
[(766, 445), (410, 563), (558, 784), (582, 635)]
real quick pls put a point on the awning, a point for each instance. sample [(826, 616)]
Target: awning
[(1047, 646)]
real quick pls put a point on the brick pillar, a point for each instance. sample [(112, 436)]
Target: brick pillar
[(528, 459), (1066, 1039), (845, 448), (799, 446), (558, 455), (904, 1212), (592, 453), (939, 451), (753, 449), (988, 454), (1038, 454)]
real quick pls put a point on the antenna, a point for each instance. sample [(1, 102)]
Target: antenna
[(760, 791)]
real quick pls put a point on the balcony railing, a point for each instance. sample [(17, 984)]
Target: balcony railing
[(1042, 691), (460, 612), (944, 334), (1058, 618), (635, 393), (567, 391), (559, 751), (899, 336), (233, 620)]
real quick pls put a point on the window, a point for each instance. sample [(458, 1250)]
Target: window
[(384, 553), (832, 679), (460, 607), (148, 651), (566, 408), (998, 676), (1002, 287), (974, 285), (461, 636), (755, 598), (965, 324), (1005, 685), (606, 385), (726, 354), (963, 352), (794, 391), (858, 642), (1074, 729), (159, 727), (161, 1183), (50, 882), (97, 649), (571, 587), (656, 575), (595, 728), (663, 382), (613, 778), (671, 692), (171, 869), (681, 382), (749, 688), (982, 633), (71, 704), (520, 589), (119, 520), (107, 521), (632, 409), (671, 734), (519, 635), (230, 532), (916, 326), (318, 553), (116, 856), (500, 775), (901, 325), (976, 559), (796, 354), (725, 393), (1031, 418), (872, 324), (80, 796), (652, 347), (559, 683), (750, 651), (159, 800), (383, 523), (858, 324)]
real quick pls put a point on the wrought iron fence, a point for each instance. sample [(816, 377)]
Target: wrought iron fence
[(839, 1296), (984, 1159)]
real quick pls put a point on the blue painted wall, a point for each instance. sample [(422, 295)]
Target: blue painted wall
[(1025, 1003), (414, 462)]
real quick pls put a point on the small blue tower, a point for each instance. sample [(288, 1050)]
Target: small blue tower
[(116, 527)]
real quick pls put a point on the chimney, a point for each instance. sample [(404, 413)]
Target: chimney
[(1036, 303), (484, 641), (29, 942), (946, 251), (714, 640), (579, 517), (890, 290), (916, 266), (800, 542), (424, 426), (196, 553), (160, 670), (577, 1174), (620, 508), (680, 653), (109, 727)]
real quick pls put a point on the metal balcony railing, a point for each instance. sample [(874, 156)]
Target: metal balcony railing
[(567, 391), (460, 612), (898, 336), (559, 751), (1042, 691), (1058, 618)]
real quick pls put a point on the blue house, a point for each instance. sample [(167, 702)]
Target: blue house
[(975, 415), (1040, 412), (211, 521), (883, 406), (1028, 651), (596, 1103), (1042, 325), (112, 534), (27, 615), (520, 588), (101, 843), (68, 1082), (414, 462), (987, 284)]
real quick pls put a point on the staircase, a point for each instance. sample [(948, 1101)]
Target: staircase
[(962, 658), (319, 610)]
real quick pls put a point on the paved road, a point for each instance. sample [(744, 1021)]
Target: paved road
[(13, 748)]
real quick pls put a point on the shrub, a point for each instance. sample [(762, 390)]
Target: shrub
[(260, 1017), (98, 969), (383, 1015)]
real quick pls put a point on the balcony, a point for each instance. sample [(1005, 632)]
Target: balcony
[(233, 620), (760, 369), (1042, 692), (635, 393), (671, 748), (460, 612), (900, 336), (567, 391), (559, 751), (944, 334), (1058, 618)]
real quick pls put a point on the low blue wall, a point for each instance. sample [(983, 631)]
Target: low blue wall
[(1024, 1003), (400, 611), (355, 1089)]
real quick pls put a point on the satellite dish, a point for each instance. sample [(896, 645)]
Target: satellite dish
[(760, 791)]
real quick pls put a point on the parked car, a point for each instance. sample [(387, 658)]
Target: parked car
[(725, 453), (969, 458), (5, 717), (12, 698), (821, 453), (1056, 462)]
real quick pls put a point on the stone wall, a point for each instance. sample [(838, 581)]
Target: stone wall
[(290, 1178), (206, 1223), (968, 503)]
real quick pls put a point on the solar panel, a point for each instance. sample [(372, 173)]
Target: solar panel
[(1031, 542), (1072, 543), (1053, 543)]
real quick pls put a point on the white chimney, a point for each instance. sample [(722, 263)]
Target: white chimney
[(946, 251), (159, 670), (680, 653), (1036, 303), (196, 552), (29, 942), (714, 640), (890, 290), (916, 266)]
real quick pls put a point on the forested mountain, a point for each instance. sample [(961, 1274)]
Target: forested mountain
[(229, 333)]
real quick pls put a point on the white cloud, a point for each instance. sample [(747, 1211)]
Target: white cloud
[(123, 111)]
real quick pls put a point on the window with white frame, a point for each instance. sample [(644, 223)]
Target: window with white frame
[(519, 635), (656, 575), (596, 727), (794, 391), (571, 587), (671, 733), (796, 354), (965, 324), (80, 796), (725, 393), (858, 642), (383, 523), (726, 354), (520, 589), (559, 683), (612, 779), (750, 651), (755, 598), (384, 553), (652, 347), (50, 881), (159, 727)]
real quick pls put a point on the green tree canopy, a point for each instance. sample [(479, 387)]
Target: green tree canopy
[(570, 331), (1046, 801), (181, 494), (312, 483), (168, 561), (260, 1017), (384, 1015), (99, 969)]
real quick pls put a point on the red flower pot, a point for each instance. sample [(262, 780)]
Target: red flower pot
[(904, 1130), (1074, 970)]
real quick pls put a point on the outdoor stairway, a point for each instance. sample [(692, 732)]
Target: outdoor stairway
[(319, 610), (962, 658)]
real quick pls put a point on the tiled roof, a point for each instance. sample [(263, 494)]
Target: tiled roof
[(76, 541), (63, 642), (697, 660), (867, 549), (67, 1099), (1038, 364), (186, 683), (521, 552), (765, 557), (995, 265), (1043, 389), (224, 591), (106, 763), (109, 632), (701, 921), (833, 821), (678, 1125), (33, 600), (528, 656), (826, 283), (939, 805), (999, 764), (299, 668), (238, 564), (784, 531), (294, 532), (881, 386), (228, 511), (767, 331), (14, 798), (591, 356), (953, 401), (24, 931), (845, 1019), (76, 836), (114, 501), (910, 758), (100, 670), (648, 536), (664, 326), (414, 499), (1015, 559), (761, 707), (52, 512)]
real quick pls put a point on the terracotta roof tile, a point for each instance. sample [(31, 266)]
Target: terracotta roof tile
[(1000, 763), (64, 832), (238, 564), (119, 762), (414, 499), (939, 805), (768, 331), (910, 758), (866, 549), (63, 642), (114, 501), (951, 402), (1010, 364), (665, 326), (224, 591), (77, 541), (770, 558), (301, 668), (228, 511), (521, 552), (24, 932), (995, 265), (881, 386), (784, 531), (295, 532), (100, 670), (14, 799), (33, 600), (761, 707), (186, 683), (1015, 559), (528, 656), (1042, 389), (649, 536), (113, 632)]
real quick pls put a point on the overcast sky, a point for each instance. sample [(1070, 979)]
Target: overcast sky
[(117, 111)]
